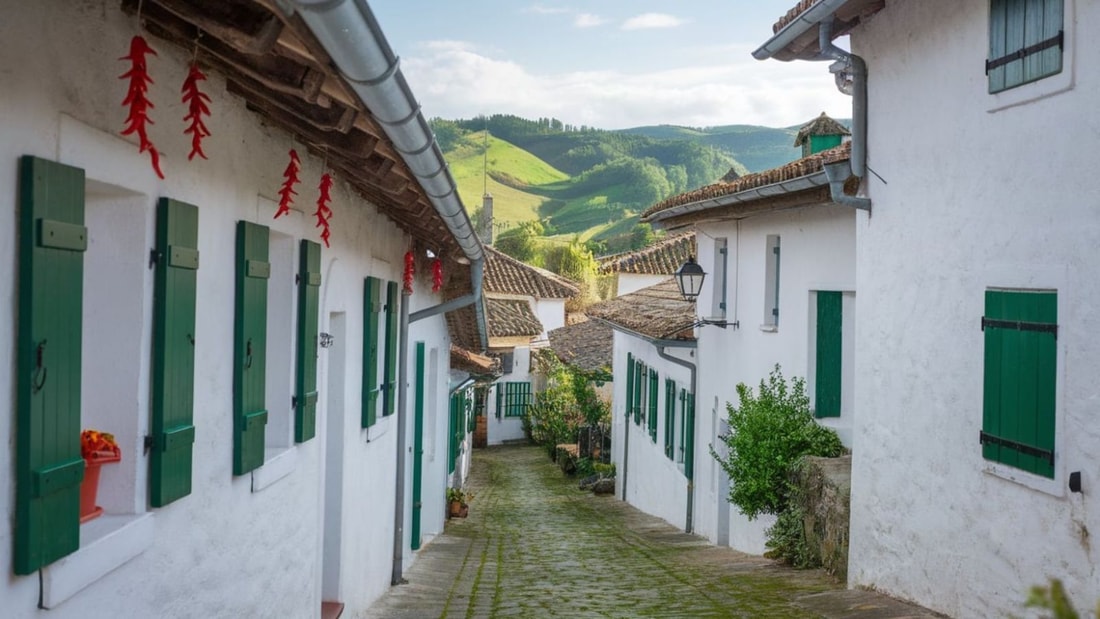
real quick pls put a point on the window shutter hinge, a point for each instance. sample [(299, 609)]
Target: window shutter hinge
[(723, 251), (297, 279), (154, 257), (147, 443), (294, 402)]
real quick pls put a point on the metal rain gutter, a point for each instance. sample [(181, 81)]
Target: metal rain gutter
[(802, 183), (801, 25)]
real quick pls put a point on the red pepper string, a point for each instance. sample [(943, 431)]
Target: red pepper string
[(323, 212), (410, 271), (437, 275), (286, 192), (197, 107), (137, 100)]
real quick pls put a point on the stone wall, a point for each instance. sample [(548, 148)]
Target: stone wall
[(825, 491)]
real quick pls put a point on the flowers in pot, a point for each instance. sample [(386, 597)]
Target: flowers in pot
[(97, 448), (457, 502)]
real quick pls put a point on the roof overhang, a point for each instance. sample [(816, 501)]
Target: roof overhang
[(801, 192), (798, 38)]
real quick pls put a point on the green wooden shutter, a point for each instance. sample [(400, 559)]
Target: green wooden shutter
[(390, 376), (683, 422), (372, 306), (500, 399), (653, 393), (174, 294), (827, 376), (48, 466), (1020, 379), (670, 417), (689, 448), (1025, 41), (309, 309), (250, 347), (629, 385)]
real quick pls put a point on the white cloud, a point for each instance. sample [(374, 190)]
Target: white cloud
[(457, 80), (652, 20), (588, 20)]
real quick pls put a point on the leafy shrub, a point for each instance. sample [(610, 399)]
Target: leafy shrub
[(1054, 599), (568, 402), (770, 431)]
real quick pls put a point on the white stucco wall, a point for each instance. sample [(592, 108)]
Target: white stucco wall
[(976, 198), (633, 282), (230, 548), (817, 253), (551, 313), (501, 428), (652, 482)]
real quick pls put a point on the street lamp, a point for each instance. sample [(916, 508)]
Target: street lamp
[(689, 277)]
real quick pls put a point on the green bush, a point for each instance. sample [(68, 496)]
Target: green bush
[(770, 431), (1054, 599), (568, 402)]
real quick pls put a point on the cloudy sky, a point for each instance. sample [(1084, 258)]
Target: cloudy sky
[(605, 63)]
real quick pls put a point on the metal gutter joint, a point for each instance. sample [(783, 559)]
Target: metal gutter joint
[(838, 174)]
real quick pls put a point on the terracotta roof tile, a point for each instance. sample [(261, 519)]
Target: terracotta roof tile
[(660, 258), (511, 317), (658, 312), (506, 275), (822, 125), (798, 9), (462, 325), (471, 362), (587, 345), (795, 169)]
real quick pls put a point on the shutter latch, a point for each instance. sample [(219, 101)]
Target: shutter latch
[(154, 257), (147, 443)]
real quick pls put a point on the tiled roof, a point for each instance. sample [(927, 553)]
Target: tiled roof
[(587, 345), (798, 9), (795, 169), (511, 317), (660, 258), (471, 362), (658, 312), (822, 125), (462, 325), (506, 275)]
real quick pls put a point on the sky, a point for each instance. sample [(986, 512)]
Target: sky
[(609, 64)]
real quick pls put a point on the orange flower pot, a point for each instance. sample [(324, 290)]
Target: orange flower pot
[(89, 488)]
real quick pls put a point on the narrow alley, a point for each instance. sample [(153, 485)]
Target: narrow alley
[(536, 546)]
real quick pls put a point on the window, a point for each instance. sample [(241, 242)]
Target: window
[(514, 399), (1021, 334), (721, 252), (771, 282), (1026, 42), (670, 418), (652, 409)]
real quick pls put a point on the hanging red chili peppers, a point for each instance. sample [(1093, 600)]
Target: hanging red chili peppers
[(437, 275), (323, 212), (137, 100), (286, 192), (410, 272), (197, 107)]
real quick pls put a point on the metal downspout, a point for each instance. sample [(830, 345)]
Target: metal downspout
[(396, 578), (688, 518), (838, 173)]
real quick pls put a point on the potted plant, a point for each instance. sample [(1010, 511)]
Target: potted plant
[(456, 501), (97, 448)]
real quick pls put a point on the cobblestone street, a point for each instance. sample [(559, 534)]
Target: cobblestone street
[(536, 546)]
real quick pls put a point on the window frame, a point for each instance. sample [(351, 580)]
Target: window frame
[(1003, 72), (1043, 87)]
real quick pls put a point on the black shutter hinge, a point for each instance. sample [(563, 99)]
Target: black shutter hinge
[(1020, 325), (1057, 40), (1027, 450), (154, 257), (148, 442)]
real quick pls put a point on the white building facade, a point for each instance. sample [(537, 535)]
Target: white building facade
[(272, 527)]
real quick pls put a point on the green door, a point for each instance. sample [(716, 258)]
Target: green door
[(48, 466), (830, 320), (250, 344), (173, 352), (418, 446)]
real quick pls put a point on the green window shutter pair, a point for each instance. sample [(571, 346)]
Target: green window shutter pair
[(517, 399), (389, 395), (372, 307), (48, 464), (828, 364), (670, 417), (629, 385), (1020, 379), (653, 393), (1026, 41), (309, 300), (250, 347), (172, 424)]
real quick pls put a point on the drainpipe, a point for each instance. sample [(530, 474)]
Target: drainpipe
[(396, 577), (847, 62), (689, 467)]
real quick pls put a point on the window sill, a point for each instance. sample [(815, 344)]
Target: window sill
[(1053, 487), (278, 463), (107, 543), (769, 328)]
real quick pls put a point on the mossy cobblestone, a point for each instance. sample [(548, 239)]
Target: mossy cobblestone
[(536, 546)]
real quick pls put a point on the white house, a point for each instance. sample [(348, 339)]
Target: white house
[(975, 466), (281, 407), (652, 414), (523, 303), (650, 265), (779, 254)]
